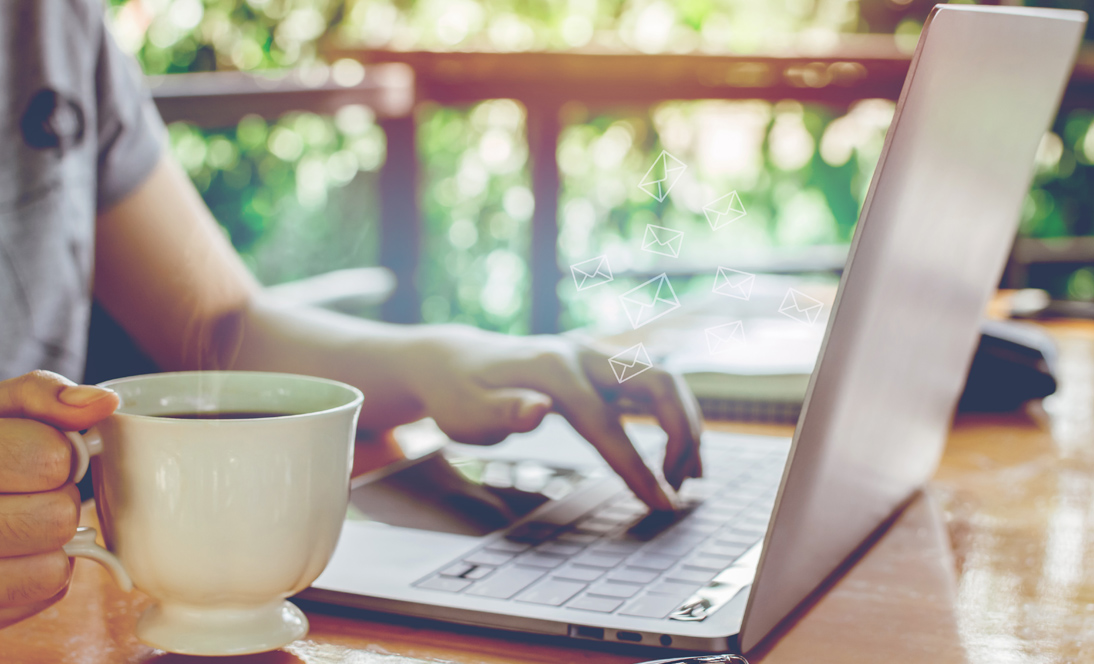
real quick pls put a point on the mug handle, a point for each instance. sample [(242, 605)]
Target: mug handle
[(83, 543)]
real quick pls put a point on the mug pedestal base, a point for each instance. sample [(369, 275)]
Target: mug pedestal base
[(197, 631)]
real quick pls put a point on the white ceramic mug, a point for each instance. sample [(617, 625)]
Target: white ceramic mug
[(220, 520)]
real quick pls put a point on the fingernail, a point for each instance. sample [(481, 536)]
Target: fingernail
[(83, 395), (529, 409)]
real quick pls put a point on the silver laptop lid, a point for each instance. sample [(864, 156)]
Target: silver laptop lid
[(931, 241)]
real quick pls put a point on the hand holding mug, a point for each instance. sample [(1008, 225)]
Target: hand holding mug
[(39, 503)]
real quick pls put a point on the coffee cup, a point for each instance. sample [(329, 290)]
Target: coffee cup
[(220, 494)]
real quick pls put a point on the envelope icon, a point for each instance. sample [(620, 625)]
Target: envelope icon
[(664, 241), (721, 338), (591, 273), (801, 307), (631, 362), (734, 283), (649, 301), (662, 176), (724, 211)]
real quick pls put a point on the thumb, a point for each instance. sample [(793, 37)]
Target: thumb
[(55, 400), (490, 415)]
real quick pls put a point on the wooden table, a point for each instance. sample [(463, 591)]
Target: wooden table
[(989, 566)]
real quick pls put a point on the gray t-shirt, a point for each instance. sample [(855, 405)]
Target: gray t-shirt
[(79, 133)]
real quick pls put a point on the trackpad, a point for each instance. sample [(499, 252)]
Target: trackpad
[(464, 496)]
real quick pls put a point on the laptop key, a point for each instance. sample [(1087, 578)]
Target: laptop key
[(507, 582), (616, 547), (445, 583), (712, 563), (675, 589), (478, 572), (552, 592), (457, 570), (650, 606), (542, 560), (603, 560), (492, 558), (726, 550), (611, 589), (578, 573), (565, 549), (533, 532), (690, 575), (506, 546), (597, 526), (652, 561), (632, 575), (593, 603), (674, 545), (578, 538)]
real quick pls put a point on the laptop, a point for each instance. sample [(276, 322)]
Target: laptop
[(772, 519)]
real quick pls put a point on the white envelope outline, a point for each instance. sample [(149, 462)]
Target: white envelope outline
[(662, 176), (801, 307), (734, 283), (724, 211), (649, 301), (629, 363), (721, 338), (596, 270), (664, 241)]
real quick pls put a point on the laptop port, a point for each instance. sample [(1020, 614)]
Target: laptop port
[(629, 636), (582, 632)]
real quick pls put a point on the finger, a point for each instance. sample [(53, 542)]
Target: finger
[(694, 416), (28, 580), (32, 523), (488, 416), (55, 400), (9, 615), (665, 393), (672, 404), (578, 401), (33, 456)]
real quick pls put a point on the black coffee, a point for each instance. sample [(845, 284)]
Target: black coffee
[(224, 415)]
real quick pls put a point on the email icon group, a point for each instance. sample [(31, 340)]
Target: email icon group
[(724, 211), (662, 176), (649, 301), (664, 241), (591, 273), (721, 338), (629, 363), (734, 283), (801, 307)]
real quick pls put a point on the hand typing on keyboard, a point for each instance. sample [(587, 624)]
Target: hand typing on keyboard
[(480, 387)]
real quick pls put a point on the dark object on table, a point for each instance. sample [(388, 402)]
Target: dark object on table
[(702, 659), (1059, 309), (1014, 364)]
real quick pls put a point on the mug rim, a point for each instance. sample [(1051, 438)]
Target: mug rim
[(357, 400)]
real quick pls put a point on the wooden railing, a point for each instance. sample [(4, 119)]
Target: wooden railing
[(864, 66)]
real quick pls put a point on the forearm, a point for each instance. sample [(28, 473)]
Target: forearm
[(377, 358)]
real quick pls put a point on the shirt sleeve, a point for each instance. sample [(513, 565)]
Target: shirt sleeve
[(131, 134)]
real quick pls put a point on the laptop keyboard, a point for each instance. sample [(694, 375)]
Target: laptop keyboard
[(617, 557)]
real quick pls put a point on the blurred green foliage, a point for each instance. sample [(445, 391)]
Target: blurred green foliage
[(299, 196)]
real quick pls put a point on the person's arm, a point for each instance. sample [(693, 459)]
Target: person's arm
[(168, 274)]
